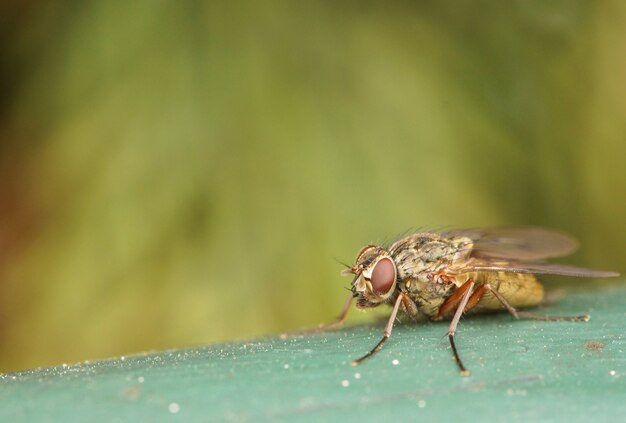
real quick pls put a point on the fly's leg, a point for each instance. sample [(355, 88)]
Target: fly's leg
[(476, 297), (341, 318), (410, 307), (455, 321), (452, 301), (527, 315), (466, 298), (386, 334), (327, 326)]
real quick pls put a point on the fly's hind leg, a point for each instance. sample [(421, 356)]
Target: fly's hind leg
[(518, 314), (466, 298)]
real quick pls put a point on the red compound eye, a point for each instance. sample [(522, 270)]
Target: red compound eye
[(383, 275)]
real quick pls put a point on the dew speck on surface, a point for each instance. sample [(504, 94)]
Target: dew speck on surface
[(345, 383), (357, 375), (395, 362), (421, 403), (173, 407), (513, 392), (140, 379), (285, 366), (612, 373)]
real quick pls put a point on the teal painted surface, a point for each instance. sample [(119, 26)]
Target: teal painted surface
[(521, 371)]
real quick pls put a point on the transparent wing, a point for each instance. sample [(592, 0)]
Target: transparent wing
[(523, 244), (539, 268)]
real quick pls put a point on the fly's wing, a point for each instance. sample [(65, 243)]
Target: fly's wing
[(538, 268), (521, 244), (519, 250)]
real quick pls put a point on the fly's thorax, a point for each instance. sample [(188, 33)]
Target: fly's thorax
[(421, 255), (429, 294)]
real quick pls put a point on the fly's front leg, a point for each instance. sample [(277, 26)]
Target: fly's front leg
[(341, 318), (387, 332), (324, 327), (409, 306)]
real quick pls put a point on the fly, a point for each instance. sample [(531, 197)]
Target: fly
[(442, 275)]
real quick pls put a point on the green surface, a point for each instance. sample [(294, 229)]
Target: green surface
[(521, 371)]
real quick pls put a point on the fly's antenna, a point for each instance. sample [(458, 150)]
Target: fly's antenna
[(347, 266)]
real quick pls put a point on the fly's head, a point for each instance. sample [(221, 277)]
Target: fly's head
[(375, 276)]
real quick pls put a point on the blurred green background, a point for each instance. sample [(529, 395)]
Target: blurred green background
[(176, 173)]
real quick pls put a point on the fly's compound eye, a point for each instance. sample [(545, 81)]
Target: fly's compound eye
[(383, 276)]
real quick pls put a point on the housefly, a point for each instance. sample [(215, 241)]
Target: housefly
[(445, 274)]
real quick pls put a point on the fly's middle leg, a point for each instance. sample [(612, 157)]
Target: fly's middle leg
[(464, 300)]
